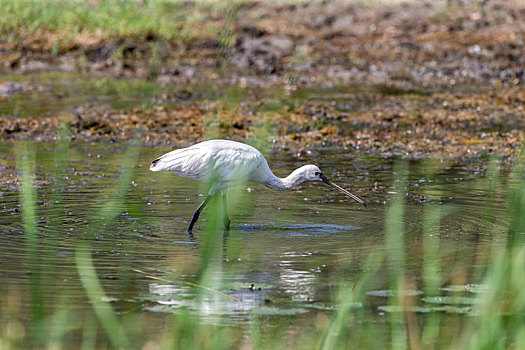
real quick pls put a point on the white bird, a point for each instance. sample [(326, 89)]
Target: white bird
[(222, 163)]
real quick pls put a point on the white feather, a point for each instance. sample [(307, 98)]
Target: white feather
[(222, 161)]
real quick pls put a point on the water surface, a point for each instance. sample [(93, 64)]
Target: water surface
[(288, 254)]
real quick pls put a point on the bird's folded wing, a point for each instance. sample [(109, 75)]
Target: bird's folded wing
[(205, 164), (187, 162)]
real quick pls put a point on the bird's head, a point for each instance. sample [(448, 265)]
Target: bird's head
[(313, 173)]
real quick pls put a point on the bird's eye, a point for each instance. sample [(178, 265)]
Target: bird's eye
[(317, 173)]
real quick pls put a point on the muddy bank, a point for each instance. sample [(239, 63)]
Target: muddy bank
[(444, 125), (420, 52), (425, 43)]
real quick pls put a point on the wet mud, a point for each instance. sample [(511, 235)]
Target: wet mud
[(317, 43), (451, 75), (438, 125)]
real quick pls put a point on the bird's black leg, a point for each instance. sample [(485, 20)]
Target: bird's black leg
[(197, 212), (225, 217)]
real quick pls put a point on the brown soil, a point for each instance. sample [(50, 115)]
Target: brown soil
[(440, 125), (410, 46), (315, 43)]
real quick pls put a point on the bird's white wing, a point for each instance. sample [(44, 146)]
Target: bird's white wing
[(217, 162), (188, 162), (235, 165)]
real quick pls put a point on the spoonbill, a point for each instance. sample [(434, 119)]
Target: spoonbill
[(222, 163)]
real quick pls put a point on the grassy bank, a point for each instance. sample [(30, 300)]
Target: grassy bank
[(72, 20)]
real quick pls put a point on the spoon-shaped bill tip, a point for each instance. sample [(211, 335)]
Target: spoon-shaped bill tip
[(351, 195)]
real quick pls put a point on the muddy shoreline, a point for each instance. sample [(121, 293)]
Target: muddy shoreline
[(425, 43), (441, 125), (466, 58)]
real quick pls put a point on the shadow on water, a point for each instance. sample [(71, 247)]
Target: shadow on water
[(297, 229)]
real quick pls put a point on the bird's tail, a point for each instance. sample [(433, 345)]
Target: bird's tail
[(182, 161), (153, 165), (170, 161)]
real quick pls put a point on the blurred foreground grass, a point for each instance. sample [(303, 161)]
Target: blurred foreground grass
[(491, 317)]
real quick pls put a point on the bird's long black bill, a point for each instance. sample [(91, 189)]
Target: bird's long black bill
[(351, 195)]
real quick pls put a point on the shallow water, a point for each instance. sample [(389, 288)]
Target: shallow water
[(288, 254), (297, 248)]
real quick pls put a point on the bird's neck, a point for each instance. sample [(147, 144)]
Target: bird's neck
[(279, 184)]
